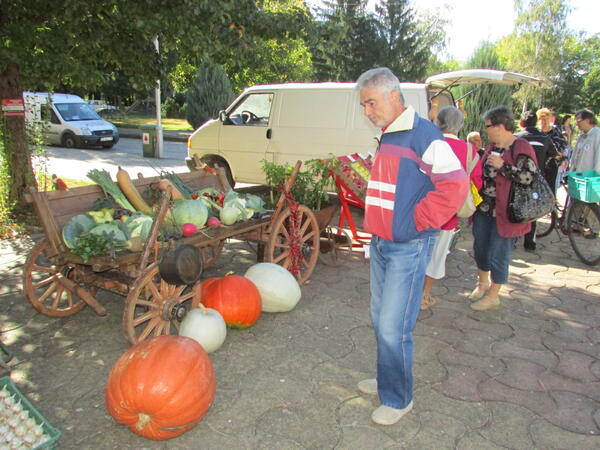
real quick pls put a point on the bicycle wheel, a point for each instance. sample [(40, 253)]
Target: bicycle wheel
[(583, 227), (545, 225)]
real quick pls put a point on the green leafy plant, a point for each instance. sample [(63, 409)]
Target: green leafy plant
[(90, 244), (310, 187)]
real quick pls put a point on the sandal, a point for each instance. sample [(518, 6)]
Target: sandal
[(427, 302)]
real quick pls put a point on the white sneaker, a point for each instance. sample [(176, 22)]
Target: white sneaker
[(368, 386), (485, 304), (384, 415)]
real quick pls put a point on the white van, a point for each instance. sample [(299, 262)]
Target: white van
[(68, 120), (284, 123)]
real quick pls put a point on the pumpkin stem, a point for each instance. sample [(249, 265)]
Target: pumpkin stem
[(143, 420)]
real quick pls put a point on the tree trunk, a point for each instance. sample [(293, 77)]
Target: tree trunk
[(16, 148)]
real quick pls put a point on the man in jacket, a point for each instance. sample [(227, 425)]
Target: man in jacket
[(544, 150), (417, 184), (587, 150)]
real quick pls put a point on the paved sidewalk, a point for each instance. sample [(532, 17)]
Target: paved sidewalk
[(525, 376)]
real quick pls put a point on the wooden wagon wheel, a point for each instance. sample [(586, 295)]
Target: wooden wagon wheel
[(42, 286), (335, 246), (154, 307), (280, 247), (210, 253)]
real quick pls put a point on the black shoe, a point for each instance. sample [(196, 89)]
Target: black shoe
[(529, 248)]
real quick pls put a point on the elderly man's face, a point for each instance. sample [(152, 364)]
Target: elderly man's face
[(583, 124), (476, 141), (381, 109)]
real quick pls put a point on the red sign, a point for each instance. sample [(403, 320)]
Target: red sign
[(13, 107)]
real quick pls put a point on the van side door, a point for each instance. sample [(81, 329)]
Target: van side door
[(245, 136), (52, 125)]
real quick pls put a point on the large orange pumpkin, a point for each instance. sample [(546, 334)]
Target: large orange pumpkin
[(235, 297), (161, 387)]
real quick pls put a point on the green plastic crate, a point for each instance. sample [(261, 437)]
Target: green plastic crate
[(585, 186), (52, 433)]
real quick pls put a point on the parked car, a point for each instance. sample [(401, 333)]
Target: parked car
[(68, 120)]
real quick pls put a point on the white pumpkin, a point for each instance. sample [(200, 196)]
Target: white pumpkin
[(206, 326), (279, 290)]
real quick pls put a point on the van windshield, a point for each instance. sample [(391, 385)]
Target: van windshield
[(71, 112)]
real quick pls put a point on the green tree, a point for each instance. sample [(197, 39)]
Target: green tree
[(70, 44), (533, 48), (209, 92), (478, 99), (407, 46)]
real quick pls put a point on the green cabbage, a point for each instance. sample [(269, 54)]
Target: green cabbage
[(116, 229), (229, 215), (76, 226), (139, 224), (190, 211)]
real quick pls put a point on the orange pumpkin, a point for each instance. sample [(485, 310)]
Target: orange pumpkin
[(161, 387), (235, 297)]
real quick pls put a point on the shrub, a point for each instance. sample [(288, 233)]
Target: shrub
[(209, 92)]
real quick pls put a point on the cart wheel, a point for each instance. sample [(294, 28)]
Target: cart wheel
[(153, 307), (335, 246), (279, 247), (42, 287), (211, 253)]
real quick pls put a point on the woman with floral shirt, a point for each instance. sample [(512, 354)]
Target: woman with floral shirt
[(506, 160)]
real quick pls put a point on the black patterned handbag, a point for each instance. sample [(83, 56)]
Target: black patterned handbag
[(529, 202)]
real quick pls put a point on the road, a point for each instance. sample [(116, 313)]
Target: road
[(74, 163)]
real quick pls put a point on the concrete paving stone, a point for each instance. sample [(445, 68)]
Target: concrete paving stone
[(442, 318), (500, 330), (478, 343), (570, 330), (508, 349), (451, 356), (545, 435), (595, 369), (451, 337), (576, 366), (428, 370), (359, 431), (521, 374), (472, 414), (575, 292), (505, 416), (575, 412), (553, 382), (521, 319), (438, 430), (474, 441), (462, 383), (558, 346)]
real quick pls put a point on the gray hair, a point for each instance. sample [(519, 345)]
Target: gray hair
[(450, 119), (472, 134), (382, 79)]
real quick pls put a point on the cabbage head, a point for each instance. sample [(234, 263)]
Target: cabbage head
[(190, 211), (76, 226), (139, 225), (115, 228)]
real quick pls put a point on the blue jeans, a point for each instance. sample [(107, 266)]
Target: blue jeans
[(492, 251), (397, 276)]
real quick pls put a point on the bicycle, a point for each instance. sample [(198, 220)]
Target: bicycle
[(579, 220)]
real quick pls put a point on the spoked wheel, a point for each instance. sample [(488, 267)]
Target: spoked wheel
[(335, 246), (211, 253), (545, 225), (42, 286), (154, 307), (583, 227), (291, 249)]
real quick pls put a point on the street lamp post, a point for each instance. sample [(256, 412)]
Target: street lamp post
[(159, 131)]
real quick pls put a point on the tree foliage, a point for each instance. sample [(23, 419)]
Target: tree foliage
[(209, 92), (478, 99)]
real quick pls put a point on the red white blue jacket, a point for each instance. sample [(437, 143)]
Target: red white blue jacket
[(417, 183)]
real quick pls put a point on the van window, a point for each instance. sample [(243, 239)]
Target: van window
[(54, 118), (325, 110), (253, 110), (76, 111)]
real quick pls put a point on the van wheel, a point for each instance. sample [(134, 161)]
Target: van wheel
[(68, 140), (217, 162)]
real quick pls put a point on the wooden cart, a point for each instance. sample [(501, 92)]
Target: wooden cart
[(58, 283)]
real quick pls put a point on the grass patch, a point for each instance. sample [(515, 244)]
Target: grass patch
[(136, 120)]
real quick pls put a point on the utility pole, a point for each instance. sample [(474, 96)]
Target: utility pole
[(159, 131)]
